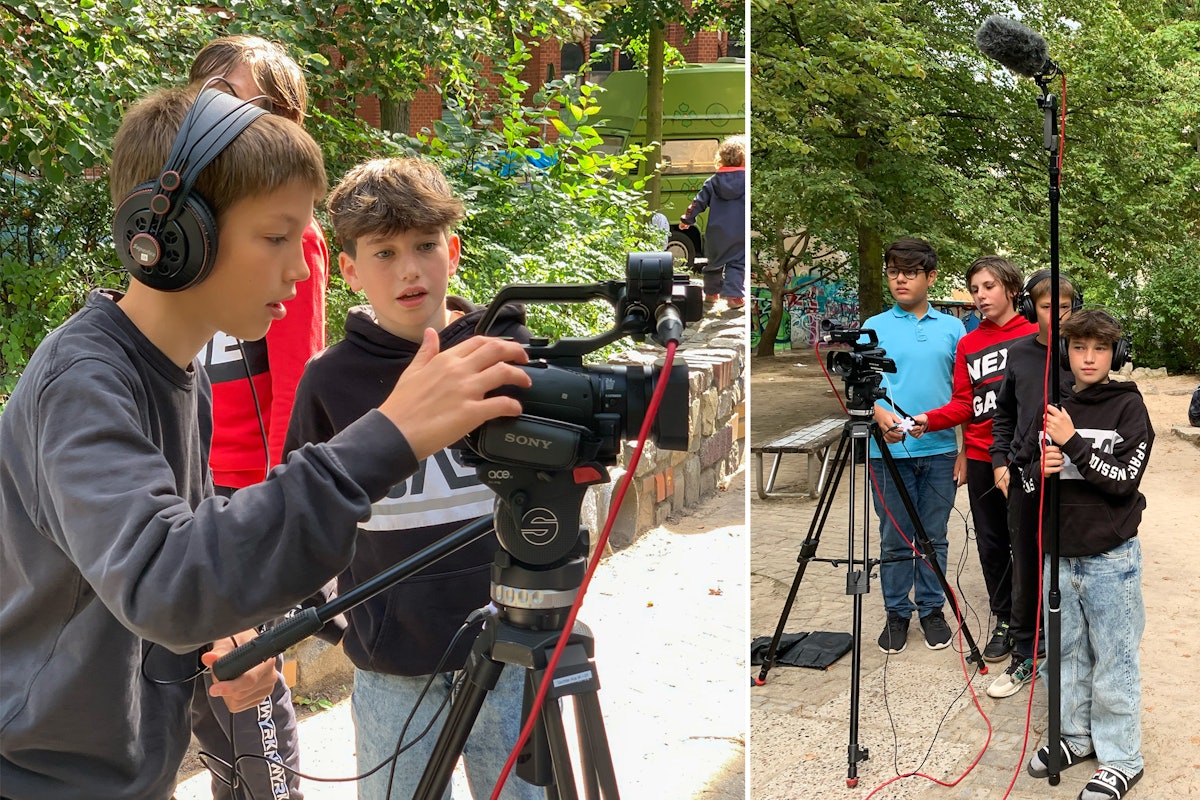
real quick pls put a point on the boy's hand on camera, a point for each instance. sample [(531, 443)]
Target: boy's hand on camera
[(442, 396), (248, 689), (1058, 425)]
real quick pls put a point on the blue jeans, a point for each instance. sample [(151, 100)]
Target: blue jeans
[(929, 481), (380, 705), (1102, 621)]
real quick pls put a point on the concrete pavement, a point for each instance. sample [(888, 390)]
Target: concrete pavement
[(668, 615)]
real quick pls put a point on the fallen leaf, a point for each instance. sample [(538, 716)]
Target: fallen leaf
[(717, 592)]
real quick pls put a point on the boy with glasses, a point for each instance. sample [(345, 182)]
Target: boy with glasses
[(921, 340)]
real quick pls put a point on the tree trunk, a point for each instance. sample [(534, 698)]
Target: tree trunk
[(655, 76), (394, 115), (766, 345), (870, 273)]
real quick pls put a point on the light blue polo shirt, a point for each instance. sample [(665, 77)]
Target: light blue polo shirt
[(923, 350)]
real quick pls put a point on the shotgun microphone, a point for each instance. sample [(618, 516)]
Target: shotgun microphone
[(1018, 48)]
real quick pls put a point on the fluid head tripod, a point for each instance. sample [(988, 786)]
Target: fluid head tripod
[(862, 369)]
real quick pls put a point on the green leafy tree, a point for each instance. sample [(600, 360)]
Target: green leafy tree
[(641, 26), (879, 119)]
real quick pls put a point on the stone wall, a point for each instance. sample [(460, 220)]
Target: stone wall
[(668, 481)]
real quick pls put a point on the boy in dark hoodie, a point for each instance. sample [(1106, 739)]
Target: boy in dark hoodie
[(394, 219), (1100, 441), (724, 195), (1015, 436)]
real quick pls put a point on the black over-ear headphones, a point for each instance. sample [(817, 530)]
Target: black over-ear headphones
[(165, 234), (1025, 306), (1120, 348)]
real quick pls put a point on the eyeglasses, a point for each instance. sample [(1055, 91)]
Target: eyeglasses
[(895, 272)]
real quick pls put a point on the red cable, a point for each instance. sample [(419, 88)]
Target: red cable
[(569, 625)]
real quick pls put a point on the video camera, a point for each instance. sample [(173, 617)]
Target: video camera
[(574, 416), (861, 367)]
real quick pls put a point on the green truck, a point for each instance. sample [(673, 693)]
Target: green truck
[(702, 104)]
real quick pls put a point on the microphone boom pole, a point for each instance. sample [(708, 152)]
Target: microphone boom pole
[(1048, 102)]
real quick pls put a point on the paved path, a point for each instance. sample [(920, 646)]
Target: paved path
[(668, 614), (915, 712)]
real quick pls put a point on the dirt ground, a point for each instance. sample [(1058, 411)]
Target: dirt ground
[(913, 707)]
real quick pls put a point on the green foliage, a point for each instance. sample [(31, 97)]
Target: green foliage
[(539, 210), (879, 119), (54, 248)]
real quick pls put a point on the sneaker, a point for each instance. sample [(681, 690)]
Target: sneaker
[(895, 634), (1000, 645), (1109, 784), (1039, 764), (937, 632), (1019, 673), (734, 302)]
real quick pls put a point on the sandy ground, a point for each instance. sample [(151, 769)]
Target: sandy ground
[(915, 710)]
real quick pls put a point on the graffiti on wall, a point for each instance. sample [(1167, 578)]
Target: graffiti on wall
[(806, 302), (809, 300)]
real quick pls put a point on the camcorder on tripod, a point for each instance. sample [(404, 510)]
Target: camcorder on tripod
[(862, 369), (539, 465)]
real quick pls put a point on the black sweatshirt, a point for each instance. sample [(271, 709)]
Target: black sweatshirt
[(1100, 505), (1021, 403), (404, 630)]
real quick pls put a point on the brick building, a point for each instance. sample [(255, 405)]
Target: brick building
[(553, 57)]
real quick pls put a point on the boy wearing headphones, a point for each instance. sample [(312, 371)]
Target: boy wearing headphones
[(118, 566), (1100, 443), (1016, 433)]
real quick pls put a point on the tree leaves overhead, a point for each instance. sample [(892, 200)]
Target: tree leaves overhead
[(874, 120)]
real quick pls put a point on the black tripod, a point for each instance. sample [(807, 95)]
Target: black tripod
[(524, 635), (536, 575), (853, 448)]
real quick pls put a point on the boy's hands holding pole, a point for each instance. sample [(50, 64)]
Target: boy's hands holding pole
[(442, 396)]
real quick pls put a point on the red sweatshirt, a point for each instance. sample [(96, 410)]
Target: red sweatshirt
[(276, 363), (979, 365)]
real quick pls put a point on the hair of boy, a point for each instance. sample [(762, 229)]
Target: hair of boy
[(1002, 270), (732, 152), (268, 155), (911, 252), (1091, 324), (1041, 288), (389, 196), (276, 73)]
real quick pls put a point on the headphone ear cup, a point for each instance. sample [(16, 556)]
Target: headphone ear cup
[(1120, 353), (1064, 354), (1025, 307), (179, 255)]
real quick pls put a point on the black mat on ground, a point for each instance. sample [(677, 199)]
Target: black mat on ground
[(816, 650)]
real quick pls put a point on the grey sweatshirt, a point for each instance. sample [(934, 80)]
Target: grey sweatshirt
[(110, 540)]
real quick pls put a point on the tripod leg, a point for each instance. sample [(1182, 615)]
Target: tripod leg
[(596, 767), (807, 550), (927, 547), (481, 676)]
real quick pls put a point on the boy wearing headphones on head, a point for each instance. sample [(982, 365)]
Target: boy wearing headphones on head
[(1100, 442), (394, 219), (1016, 430), (118, 567), (253, 385)]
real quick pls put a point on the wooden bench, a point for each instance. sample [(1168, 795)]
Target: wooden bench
[(816, 441)]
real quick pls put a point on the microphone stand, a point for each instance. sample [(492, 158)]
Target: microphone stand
[(1048, 102)]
